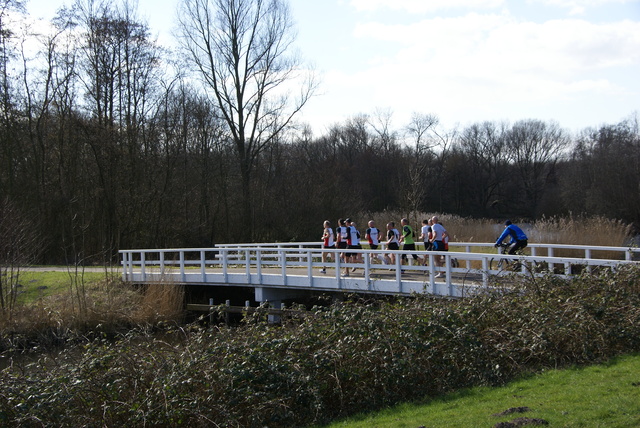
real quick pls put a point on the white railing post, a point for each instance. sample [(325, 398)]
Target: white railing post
[(468, 262), (447, 274), (399, 271), (162, 262), (366, 258), (432, 271), (247, 268), (300, 248), (336, 260), (125, 266), (203, 266), (182, 270), (282, 253), (143, 265), (131, 263), (259, 265), (485, 270), (225, 264), (310, 267)]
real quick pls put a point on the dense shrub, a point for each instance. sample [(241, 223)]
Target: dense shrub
[(335, 361)]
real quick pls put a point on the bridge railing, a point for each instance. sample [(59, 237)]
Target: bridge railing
[(303, 260), (542, 249)]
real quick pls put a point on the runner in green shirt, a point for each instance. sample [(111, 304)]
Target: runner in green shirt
[(408, 238)]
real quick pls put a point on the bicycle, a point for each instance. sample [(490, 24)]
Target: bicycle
[(510, 264), (499, 263)]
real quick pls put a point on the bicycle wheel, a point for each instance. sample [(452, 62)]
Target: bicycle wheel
[(495, 263)]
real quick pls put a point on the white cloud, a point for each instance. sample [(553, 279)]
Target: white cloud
[(499, 42), (479, 63), (423, 6), (579, 7)]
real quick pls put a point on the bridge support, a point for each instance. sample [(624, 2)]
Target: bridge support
[(275, 296)]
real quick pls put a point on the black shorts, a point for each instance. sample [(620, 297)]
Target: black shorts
[(373, 246), (519, 245), (409, 247), (393, 246), (329, 247), (353, 247), (342, 245), (438, 246)]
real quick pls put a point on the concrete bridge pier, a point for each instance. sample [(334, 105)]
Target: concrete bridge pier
[(275, 297)]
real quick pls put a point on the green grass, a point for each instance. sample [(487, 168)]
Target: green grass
[(599, 396), (38, 284)]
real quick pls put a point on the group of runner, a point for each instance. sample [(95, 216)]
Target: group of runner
[(433, 235)]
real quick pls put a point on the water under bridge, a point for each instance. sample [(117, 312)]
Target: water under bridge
[(288, 271)]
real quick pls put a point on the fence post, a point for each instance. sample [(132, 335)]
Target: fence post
[(162, 263), (143, 265), (283, 264), (203, 271), (485, 271), (225, 264), (182, 272), (259, 265), (247, 270), (310, 267)]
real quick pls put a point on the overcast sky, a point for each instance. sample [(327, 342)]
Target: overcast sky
[(575, 62)]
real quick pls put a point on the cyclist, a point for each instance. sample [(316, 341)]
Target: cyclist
[(518, 237)]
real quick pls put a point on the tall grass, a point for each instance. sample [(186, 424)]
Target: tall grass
[(161, 302), (50, 314)]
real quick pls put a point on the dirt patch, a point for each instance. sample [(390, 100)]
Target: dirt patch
[(512, 410), (521, 422)]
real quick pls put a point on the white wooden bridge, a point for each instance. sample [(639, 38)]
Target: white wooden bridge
[(280, 271)]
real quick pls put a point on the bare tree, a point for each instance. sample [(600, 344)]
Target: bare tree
[(239, 49), (612, 148), (429, 147), (380, 121), (18, 248), (10, 150), (482, 145), (120, 71), (421, 150), (534, 148)]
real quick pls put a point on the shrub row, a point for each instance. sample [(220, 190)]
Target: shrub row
[(339, 360)]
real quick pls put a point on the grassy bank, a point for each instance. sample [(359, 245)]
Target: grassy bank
[(605, 395), (336, 361), (43, 283)]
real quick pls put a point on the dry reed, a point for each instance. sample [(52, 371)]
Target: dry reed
[(161, 302), (572, 230), (109, 306)]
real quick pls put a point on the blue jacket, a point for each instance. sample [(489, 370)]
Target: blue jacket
[(514, 231)]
